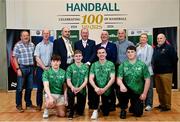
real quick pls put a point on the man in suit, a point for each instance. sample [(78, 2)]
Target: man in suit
[(86, 46), (88, 49), (111, 50), (63, 48)]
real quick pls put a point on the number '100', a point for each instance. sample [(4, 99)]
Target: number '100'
[(92, 19)]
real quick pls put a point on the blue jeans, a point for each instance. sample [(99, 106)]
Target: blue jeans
[(149, 99), (26, 81), (40, 87)]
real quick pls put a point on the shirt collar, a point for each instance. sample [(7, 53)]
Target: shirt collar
[(85, 41), (25, 43), (66, 40), (104, 44), (44, 42), (121, 41)]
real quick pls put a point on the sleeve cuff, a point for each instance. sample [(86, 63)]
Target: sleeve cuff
[(88, 63)]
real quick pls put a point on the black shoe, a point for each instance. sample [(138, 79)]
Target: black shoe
[(158, 107), (123, 114), (70, 116), (38, 108), (31, 107), (20, 109), (164, 109)]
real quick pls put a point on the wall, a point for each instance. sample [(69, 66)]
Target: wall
[(3, 65), (179, 51), (37, 14)]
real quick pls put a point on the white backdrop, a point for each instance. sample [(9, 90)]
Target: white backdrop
[(132, 14)]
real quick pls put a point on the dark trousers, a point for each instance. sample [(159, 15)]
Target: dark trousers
[(105, 103), (80, 105), (40, 87), (116, 87), (136, 104), (91, 93), (117, 93), (112, 100)]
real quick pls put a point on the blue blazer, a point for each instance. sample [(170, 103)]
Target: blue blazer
[(89, 52), (59, 48), (111, 51)]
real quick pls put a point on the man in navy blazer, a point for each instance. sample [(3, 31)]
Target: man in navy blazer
[(86, 46), (63, 48), (110, 47)]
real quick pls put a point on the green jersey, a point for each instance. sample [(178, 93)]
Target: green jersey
[(56, 80), (102, 73), (133, 75), (77, 74)]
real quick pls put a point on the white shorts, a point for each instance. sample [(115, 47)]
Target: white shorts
[(59, 99)]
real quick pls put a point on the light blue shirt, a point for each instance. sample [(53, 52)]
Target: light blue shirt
[(145, 55), (44, 52), (121, 48)]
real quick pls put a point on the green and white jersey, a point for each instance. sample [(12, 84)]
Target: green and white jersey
[(56, 80), (134, 75), (102, 73), (77, 74)]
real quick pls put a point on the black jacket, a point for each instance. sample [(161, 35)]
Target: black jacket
[(164, 59), (59, 48), (89, 52), (111, 51)]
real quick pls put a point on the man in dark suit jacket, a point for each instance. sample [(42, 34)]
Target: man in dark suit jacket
[(111, 51), (86, 46), (110, 47), (63, 48)]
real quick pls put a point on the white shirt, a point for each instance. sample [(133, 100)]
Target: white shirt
[(84, 42), (69, 49), (104, 44), (70, 52)]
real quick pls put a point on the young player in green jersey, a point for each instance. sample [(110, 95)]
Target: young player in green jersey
[(133, 79), (55, 88), (102, 76), (77, 77)]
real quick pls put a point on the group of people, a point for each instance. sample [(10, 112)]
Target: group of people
[(107, 70)]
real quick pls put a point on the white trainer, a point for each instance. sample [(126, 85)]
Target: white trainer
[(94, 115), (46, 114), (148, 108)]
